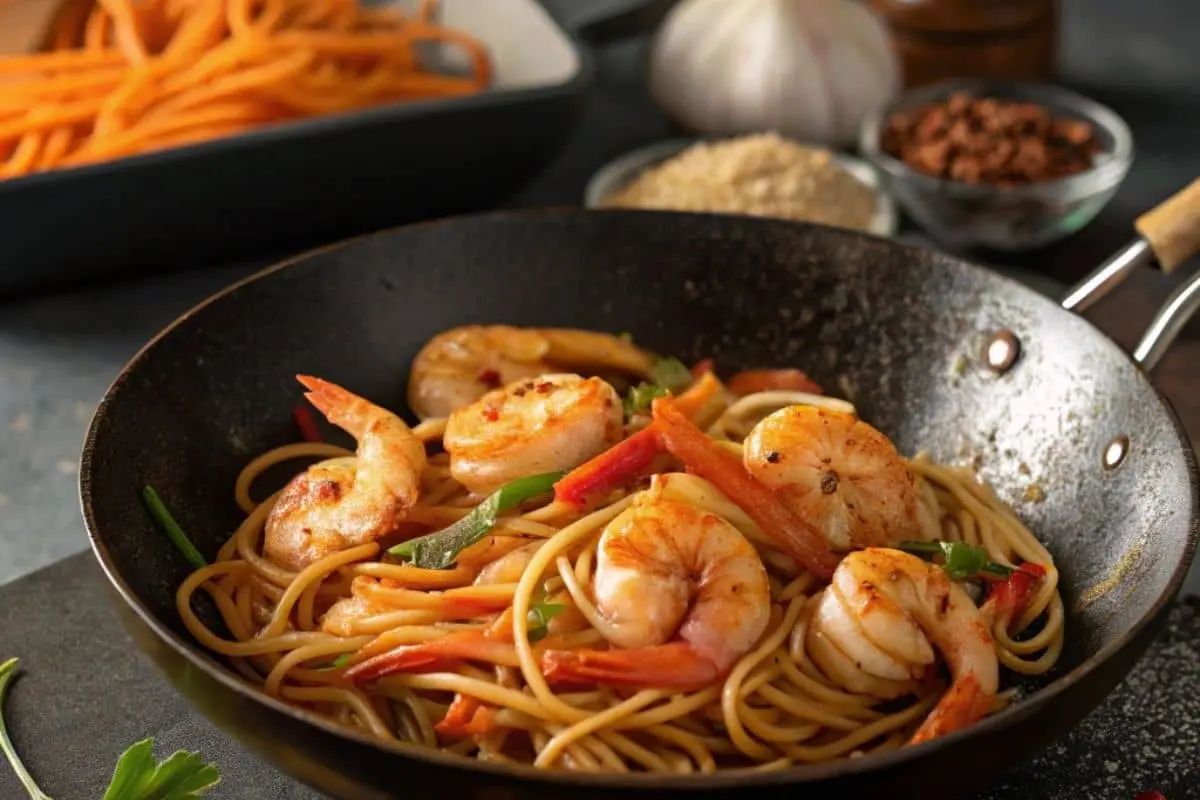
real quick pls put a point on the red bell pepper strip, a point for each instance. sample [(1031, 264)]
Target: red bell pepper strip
[(1010, 595), (306, 424), (467, 716), (702, 368), (723, 469), (617, 466), (773, 380), (1151, 794)]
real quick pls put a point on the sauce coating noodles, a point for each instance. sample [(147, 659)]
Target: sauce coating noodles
[(476, 638)]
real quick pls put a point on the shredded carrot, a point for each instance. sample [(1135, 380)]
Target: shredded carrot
[(122, 77)]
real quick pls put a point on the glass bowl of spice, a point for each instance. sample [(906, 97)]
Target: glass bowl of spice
[(1009, 166), (756, 175)]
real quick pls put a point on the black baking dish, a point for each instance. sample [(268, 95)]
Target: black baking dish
[(296, 185)]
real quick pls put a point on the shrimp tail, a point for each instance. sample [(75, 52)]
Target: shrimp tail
[(963, 704), (467, 716), (675, 666), (334, 402), (438, 655)]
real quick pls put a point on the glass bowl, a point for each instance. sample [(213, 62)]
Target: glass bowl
[(1008, 219)]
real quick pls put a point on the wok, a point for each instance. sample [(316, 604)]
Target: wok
[(903, 331)]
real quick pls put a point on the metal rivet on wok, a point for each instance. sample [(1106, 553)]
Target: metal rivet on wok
[(1115, 452), (1002, 351)]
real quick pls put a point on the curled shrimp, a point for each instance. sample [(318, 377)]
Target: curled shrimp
[(456, 367), (543, 424), (680, 590), (836, 472), (878, 622), (342, 503)]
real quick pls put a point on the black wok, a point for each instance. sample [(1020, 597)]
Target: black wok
[(901, 330)]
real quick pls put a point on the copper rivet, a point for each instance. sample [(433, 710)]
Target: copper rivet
[(1115, 452), (1002, 351)]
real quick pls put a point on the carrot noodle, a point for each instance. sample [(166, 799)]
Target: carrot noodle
[(123, 77)]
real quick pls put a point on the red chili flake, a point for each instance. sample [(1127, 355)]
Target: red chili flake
[(306, 424), (490, 414), (490, 378), (1151, 794), (544, 387)]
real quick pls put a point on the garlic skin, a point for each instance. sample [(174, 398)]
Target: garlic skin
[(808, 69)]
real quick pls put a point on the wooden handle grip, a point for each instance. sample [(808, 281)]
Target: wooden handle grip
[(1173, 228)]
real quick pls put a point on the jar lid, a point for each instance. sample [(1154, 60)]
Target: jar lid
[(964, 16)]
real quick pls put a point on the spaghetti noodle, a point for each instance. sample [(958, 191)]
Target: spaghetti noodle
[(310, 636)]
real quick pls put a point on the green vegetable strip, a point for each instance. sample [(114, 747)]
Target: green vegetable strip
[(164, 520), (961, 560), (641, 397), (8, 671), (671, 374), (439, 549)]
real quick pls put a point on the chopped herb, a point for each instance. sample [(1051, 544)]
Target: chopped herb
[(960, 560), (671, 374), (162, 517), (183, 776), (640, 397), (439, 549)]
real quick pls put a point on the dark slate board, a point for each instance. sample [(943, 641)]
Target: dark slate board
[(86, 694)]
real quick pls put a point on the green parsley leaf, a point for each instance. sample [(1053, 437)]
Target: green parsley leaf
[(182, 776)]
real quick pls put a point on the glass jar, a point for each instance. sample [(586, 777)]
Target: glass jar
[(997, 39)]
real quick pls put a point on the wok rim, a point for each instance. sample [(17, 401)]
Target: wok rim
[(722, 779)]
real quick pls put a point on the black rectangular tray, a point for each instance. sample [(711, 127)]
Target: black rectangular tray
[(297, 185)]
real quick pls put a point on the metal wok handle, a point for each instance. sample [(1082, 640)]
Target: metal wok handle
[(1169, 235)]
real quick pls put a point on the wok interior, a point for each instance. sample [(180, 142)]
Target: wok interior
[(898, 331)]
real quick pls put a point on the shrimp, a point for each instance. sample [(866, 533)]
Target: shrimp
[(837, 473), (877, 623), (680, 590), (342, 503), (544, 424), (456, 367)]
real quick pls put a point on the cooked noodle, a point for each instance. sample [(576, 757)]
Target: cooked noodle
[(774, 709)]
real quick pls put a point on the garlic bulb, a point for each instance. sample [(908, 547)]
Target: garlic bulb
[(809, 69)]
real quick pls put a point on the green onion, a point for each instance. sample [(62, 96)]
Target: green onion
[(671, 374), (439, 549), (641, 397), (164, 520), (960, 560), (539, 617)]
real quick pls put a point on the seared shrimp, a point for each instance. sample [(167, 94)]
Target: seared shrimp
[(666, 570), (458, 366), (837, 473), (544, 424), (874, 627), (343, 503)]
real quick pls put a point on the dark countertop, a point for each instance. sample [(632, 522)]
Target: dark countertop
[(87, 694), (58, 353)]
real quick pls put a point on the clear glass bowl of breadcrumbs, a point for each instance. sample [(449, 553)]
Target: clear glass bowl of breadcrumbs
[(1008, 218)]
